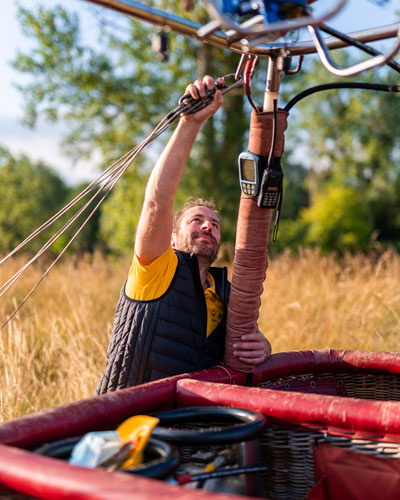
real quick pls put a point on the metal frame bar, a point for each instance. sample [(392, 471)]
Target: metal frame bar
[(330, 65), (222, 40)]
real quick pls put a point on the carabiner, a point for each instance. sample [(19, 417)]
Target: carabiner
[(237, 83)]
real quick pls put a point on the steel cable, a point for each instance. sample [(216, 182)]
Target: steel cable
[(106, 181)]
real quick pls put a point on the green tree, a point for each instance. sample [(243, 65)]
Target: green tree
[(113, 96), (85, 239), (349, 144), (120, 213), (337, 219), (30, 193)]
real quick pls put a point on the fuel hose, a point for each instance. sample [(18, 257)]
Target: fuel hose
[(251, 247)]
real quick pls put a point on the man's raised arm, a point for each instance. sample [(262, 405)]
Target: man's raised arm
[(153, 235)]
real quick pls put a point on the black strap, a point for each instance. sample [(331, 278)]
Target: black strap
[(277, 216), (249, 379)]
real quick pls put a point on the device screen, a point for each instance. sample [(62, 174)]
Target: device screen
[(247, 169)]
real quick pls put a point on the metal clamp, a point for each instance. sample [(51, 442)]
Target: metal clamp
[(257, 26)]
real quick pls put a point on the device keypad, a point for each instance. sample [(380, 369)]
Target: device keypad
[(248, 189), (270, 199)]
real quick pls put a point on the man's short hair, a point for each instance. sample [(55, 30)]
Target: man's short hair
[(190, 203)]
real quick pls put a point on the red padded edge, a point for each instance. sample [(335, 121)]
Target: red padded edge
[(348, 414), (102, 412), (52, 479), (107, 411), (326, 360)]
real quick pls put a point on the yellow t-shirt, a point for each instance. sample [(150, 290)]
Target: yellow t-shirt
[(152, 281), (215, 307)]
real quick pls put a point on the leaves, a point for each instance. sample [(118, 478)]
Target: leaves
[(114, 95), (337, 219), (342, 147), (30, 194), (348, 142)]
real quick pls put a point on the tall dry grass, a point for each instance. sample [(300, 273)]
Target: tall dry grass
[(53, 351), (316, 302)]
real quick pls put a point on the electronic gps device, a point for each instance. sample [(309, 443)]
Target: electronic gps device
[(250, 172), (257, 179)]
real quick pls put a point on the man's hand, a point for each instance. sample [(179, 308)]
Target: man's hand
[(253, 348), (197, 90)]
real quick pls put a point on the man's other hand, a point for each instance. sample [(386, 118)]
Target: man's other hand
[(253, 348)]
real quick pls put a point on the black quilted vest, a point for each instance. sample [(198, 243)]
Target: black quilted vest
[(167, 336)]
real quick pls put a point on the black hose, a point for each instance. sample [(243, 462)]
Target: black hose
[(244, 425), (274, 128), (339, 85), (160, 458), (360, 45)]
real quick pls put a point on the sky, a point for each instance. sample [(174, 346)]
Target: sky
[(43, 142)]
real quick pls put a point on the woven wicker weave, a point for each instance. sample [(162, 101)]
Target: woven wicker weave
[(288, 450), (378, 386)]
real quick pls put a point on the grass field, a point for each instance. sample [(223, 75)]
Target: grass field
[(53, 351)]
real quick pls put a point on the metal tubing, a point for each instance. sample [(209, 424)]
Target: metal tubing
[(222, 40), (274, 76), (163, 19), (308, 47), (330, 65)]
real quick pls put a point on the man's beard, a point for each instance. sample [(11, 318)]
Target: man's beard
[(203, 252)]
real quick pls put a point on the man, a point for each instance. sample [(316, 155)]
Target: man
[(171, 314)]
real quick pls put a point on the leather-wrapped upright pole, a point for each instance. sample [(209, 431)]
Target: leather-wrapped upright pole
[(251, 247)]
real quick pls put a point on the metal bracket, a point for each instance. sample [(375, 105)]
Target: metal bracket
[(257, 27)]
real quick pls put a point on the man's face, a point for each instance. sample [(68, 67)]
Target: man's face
[(198, 233)]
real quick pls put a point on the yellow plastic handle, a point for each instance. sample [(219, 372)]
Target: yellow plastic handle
[(136, 430)]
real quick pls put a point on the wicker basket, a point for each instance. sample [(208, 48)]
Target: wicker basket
[(315, 397), (288, 451), (377, 386)]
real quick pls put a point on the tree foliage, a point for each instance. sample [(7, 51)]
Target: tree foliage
[(337, 219), (342, 149), (30, 193), (113, 96), (348, 142)]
